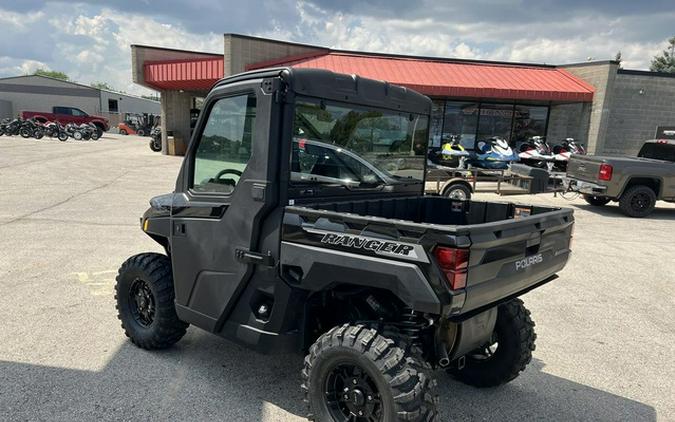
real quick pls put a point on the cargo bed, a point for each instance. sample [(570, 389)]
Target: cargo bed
[(513, 248)]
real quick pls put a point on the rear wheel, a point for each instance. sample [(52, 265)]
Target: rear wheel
[(145, 301), (356, 373), (507, 353), (638, 201), (140, 132), (63, 136), (25, 132), (596, 201), (123, 132)]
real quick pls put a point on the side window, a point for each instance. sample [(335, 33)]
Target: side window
[(77, 112), (225, 145), (61, 110)]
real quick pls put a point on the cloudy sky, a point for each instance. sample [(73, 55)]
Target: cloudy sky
[(89, 40)]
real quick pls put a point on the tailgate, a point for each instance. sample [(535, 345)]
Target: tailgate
[(583, 168), (509, 257)]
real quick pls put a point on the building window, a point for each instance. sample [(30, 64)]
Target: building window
[(529, 121), (495, 120), (475, 120), (112, 106), (461, 118)]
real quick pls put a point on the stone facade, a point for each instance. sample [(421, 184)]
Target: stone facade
[(641, 101), (241, 51)]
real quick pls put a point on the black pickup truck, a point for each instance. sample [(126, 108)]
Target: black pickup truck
[(298, 222)]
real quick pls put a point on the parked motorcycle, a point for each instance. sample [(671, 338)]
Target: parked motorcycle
[(31, 128), (11, 127), (73, 130), (156, 139), (492, 153), (563, 151), (56, 130), (536, 152)]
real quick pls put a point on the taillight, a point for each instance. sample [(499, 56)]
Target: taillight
[(605, 172), (454, 264)]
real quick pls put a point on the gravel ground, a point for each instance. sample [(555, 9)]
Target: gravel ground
[(69, 217)]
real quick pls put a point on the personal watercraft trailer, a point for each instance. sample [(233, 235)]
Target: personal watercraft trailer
[(518, 179)]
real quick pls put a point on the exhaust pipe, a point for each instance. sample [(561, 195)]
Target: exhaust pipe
[(442, 351)]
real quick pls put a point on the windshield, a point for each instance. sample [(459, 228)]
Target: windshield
[(356, 147), (656, 151)]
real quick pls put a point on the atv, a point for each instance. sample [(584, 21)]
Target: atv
[(292, 227)]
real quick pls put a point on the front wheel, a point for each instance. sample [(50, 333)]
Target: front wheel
[(145, 296), (63, 136), (155, 145), (507, 353), (95, 135), (25, 133), (596, 201), (356, 373)]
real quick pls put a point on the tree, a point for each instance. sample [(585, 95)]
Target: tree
[(52, 74), (665, 62), (101, 85)]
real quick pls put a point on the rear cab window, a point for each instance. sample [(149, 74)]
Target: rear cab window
[(658, 151)]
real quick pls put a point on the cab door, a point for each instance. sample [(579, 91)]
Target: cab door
[(225, 190)]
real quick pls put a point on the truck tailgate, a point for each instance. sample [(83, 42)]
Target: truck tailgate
[(584, 168), (510, 257)]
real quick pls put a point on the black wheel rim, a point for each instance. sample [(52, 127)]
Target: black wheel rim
[(640, 201), (352, 395), (142, 303)]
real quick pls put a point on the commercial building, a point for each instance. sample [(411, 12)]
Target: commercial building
[(42, 93), (610, 109)]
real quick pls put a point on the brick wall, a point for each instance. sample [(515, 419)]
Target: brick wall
[(568, 121), (636, 115), (602, 76)]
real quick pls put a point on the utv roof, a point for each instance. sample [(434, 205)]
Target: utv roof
[(320, 83)]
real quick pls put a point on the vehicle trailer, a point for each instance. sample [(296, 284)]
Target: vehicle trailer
[(299, 223), (636, 183)]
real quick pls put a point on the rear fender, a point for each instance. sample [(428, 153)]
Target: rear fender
[(316, 269)]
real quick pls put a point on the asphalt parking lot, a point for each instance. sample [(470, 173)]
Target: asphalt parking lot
[(69, 217)]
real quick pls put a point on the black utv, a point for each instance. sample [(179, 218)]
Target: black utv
[(298, 222)]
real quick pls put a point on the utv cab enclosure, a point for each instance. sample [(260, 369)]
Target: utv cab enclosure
[(298, 223)]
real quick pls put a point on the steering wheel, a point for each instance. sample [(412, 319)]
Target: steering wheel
[(230, 182)]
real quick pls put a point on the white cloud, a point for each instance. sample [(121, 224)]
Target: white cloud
[(91, 43)]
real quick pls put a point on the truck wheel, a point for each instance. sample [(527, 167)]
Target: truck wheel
[(458, 191), (145, 301), (596, 201), (508, 354), (638, 201), (355, 373)]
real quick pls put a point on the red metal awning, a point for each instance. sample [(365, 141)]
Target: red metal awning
[(197, 74), (455, 79)]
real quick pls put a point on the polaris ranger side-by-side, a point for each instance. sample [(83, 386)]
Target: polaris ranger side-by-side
[(298, 223)]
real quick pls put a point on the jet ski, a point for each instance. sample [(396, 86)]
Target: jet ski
[(536, 152), (453, 154), (492, 153), (563, 151)]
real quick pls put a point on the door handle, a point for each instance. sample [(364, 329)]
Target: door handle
[(179, 229), (248, 257)]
